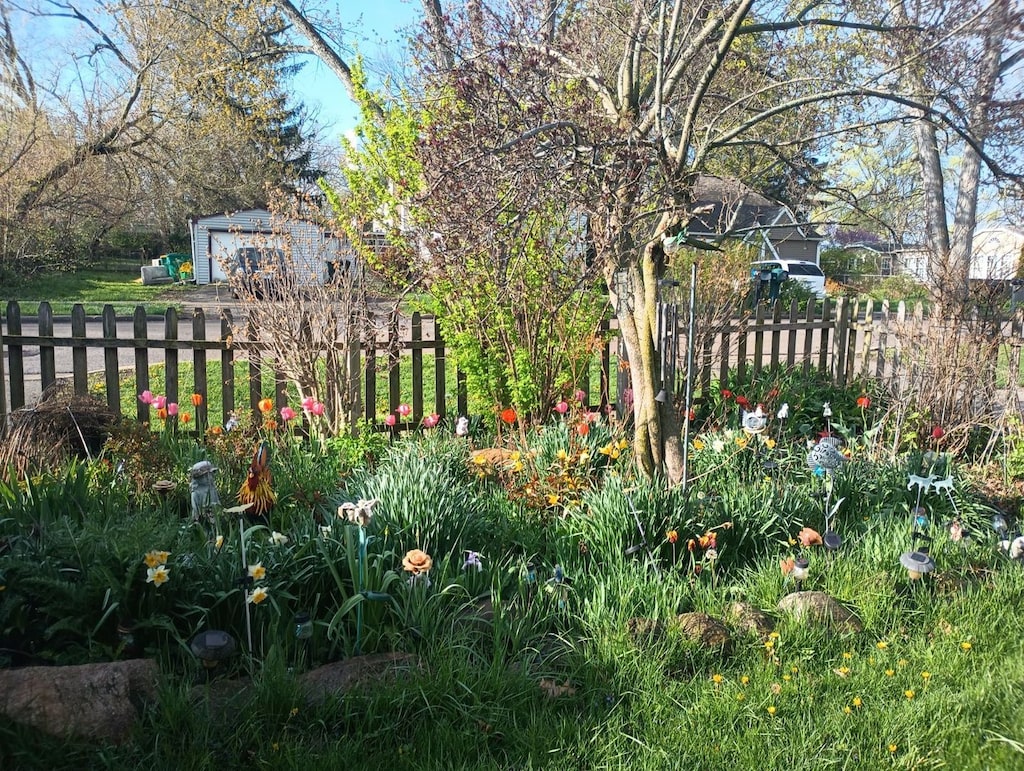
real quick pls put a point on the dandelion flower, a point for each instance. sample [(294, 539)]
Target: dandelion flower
[(892, 748), (787, 678), (847, 655), (740, 697), (909, 693), (857, 702), (847, 710), (881, 645), (772, 710), (966, 646), (744, 680), (717, 679), (926, 676), (902, 663), (890, 672), (257, 572), (794, 670), (774, 635), (158, 575), (257, 595)]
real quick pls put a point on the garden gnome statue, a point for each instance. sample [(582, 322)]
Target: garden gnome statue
[(204, 491)]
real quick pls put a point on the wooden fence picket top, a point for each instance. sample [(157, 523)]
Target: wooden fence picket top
[(15, 356), (79, 354), (47, 362)]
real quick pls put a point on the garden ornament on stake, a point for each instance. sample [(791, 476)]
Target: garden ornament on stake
[(643, 545), (360, 514), (203, 491), (559, 584), (246, 579), (256, 490)]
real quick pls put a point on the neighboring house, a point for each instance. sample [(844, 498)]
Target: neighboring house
[(732, 209), (998, 253), (315, 252)]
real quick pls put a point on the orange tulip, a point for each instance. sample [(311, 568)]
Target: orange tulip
[(186, 417), (508, 415), (162, 413), (583, 428), (266, 405), (197, 400)]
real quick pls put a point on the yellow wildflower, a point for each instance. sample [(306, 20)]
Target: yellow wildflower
[(890, 672), (857, 702), (881, 645), (717, 679), (698, 445), (926, 676), (847, 710), (892, 748), (744, 680), (965, 645), (909, 693), (772, 711), (741, 442)]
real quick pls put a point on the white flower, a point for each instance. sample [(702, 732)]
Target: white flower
[(218, 542), (783, 411), (325, 531), (278, 539), (473, 561), (717, 445), (257, 595), (358, 513), (158, 575), (826, 410)]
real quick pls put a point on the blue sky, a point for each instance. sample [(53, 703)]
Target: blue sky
[(374, 28)]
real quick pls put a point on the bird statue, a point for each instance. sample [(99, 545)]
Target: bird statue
[(256, 490), (203, 490), (825, 456)]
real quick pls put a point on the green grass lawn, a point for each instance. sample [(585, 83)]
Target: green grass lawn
[(94, 289)]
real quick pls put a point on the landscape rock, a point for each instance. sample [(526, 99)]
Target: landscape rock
[(643, 630), (340, 676), (749, 619), (90, 701), (820, 608), (705, 630)]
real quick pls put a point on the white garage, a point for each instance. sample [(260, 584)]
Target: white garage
[(215, 239)]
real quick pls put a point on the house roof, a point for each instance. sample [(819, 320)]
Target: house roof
[(733, 208)]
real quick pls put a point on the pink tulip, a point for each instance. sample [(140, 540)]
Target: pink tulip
[(431, 420), (390, 420), (287, 413), (317, 408), (160, 402), (562, 407), (146, 397), (307, 404), (404, 410), (172, 409), (581, 395)]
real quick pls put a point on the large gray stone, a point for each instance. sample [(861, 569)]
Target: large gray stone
[(340, 676), (155, 274), (91, 701), (820, 608)]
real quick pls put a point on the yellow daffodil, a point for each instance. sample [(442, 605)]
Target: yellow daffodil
[(552, 500), (154, 558), (257, 595), (158, 575), (741, 442), (623, 444), (257, 572), (769, 443)]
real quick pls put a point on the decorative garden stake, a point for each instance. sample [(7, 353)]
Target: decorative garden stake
[(643, 537), (211, 647), (1000, 526), (240, 511), (304, 632), (801, 570), (824, 457), (559, 583), (203, 491), (256, 490), (917, 564)]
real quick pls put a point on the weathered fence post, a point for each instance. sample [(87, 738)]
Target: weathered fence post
[(47, 362), (141, 334), (16, 356), (111, 369)]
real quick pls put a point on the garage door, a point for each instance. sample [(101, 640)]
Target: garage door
[(224, 244)]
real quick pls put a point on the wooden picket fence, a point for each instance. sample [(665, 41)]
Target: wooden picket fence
[(845, 339)]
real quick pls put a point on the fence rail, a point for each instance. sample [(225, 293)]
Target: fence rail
[(105, 355)]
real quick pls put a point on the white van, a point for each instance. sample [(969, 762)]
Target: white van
[(807, 273)]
